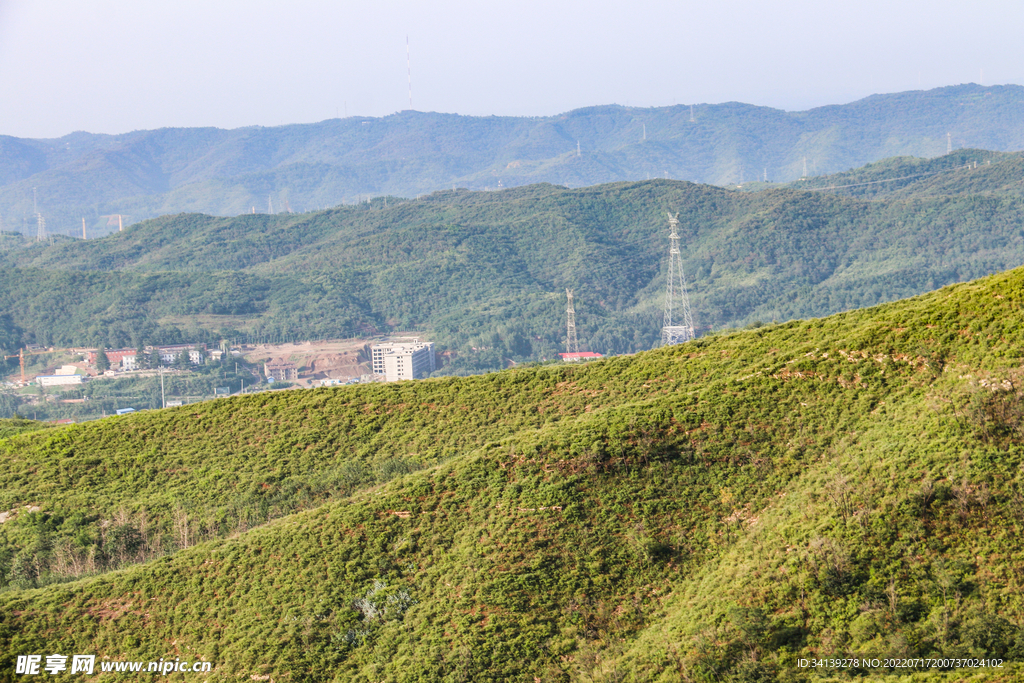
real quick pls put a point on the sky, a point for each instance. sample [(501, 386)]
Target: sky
[(113, 66)]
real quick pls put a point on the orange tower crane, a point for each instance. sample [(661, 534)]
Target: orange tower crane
[(21, 358)]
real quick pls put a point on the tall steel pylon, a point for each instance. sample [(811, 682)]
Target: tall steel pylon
[(572, 345), (40, 221), (675, 296)]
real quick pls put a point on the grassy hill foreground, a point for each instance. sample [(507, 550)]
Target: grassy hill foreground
[(847, 486)]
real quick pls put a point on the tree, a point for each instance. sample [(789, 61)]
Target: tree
[(102, 362), (154, 358), (182, 362), (9, 405), (141, 358)]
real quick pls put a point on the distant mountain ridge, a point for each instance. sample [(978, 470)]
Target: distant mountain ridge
[(304, 166)]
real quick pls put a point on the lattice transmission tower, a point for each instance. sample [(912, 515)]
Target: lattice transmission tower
[(572, 344), (676, 298), (40, 221)]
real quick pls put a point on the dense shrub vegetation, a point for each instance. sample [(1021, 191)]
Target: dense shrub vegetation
[(713, 511)]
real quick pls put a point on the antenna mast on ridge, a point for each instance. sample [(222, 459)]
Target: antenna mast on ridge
[(572, 345), (672, 333)]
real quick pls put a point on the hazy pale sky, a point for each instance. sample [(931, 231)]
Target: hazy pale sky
[(111, 66)]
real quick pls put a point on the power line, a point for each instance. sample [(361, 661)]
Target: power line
[(889, 180)]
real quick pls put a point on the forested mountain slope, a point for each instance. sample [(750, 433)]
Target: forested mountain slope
[(910, 176), (484, 273), (848, 486), (303, 167)]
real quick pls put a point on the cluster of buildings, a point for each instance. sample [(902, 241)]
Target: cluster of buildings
[(391, 361), (126, 359)]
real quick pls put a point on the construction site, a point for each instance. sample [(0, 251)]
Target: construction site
[(309, 363)]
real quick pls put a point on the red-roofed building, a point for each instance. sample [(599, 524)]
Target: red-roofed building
[(582, 355), (117, 357)]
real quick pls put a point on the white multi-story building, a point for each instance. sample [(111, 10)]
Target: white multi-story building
[(169, 354), (403, 360)]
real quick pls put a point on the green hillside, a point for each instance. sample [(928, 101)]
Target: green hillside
[(484, 273), (10, 427), (848, 486), (143, 174)]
